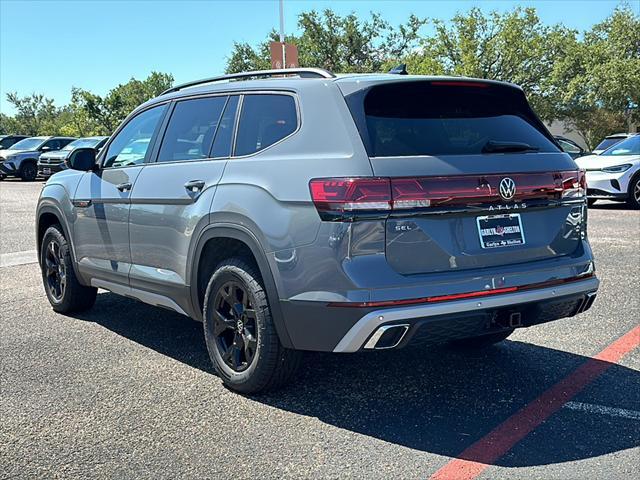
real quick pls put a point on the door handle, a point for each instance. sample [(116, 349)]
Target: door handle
[(124, 187), (194, 186)]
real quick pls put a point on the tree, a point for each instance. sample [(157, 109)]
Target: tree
[(35, 113), (514, 47), (600, 78), (336, 43), (105, 113)]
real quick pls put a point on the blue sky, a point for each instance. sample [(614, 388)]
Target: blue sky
[(50, 46)]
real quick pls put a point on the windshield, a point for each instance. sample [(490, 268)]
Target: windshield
[(631, 146), (607, 142), (82, 143), (28, 143), (442, 118)]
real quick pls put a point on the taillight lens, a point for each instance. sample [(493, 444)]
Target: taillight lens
[(574, 184), (344, 195), (342, 198)]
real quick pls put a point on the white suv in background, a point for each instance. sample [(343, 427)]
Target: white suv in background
[(615, 173)]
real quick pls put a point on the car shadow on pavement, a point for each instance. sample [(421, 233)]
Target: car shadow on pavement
[(437, 400)]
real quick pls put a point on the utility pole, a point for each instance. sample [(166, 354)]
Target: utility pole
[(284, 53)]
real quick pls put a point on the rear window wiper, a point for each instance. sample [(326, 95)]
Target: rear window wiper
[(493, 146)]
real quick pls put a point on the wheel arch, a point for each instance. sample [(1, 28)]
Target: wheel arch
[(237, 233), (49, 214)]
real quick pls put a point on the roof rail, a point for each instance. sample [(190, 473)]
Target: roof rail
[(301, 72)]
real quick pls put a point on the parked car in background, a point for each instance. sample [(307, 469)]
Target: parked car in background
[(21, 160), (7, 140), (325, 213), (615, 173), (569, 146), (52, 162), (610, 141)]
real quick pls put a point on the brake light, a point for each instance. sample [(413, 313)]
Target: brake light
[(344, 195), (460, 84), (343, 198), (574, 184)]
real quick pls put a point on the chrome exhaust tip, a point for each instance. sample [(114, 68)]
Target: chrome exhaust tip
[(387, 336)]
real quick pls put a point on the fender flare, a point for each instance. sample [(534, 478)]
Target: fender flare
[(54, 210), (244, 235)]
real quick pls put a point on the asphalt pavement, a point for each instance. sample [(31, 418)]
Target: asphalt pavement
[(126, 390)]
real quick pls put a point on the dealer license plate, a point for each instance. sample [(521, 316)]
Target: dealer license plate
[(500, 230)]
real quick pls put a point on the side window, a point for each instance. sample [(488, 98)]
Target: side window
[(264, 120), (65, 142), (568, 147), (130, 145), (191, 129), (222, 142), (53, 145)]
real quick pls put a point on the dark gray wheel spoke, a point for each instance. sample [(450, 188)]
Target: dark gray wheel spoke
[(250, 313), (221, 323)]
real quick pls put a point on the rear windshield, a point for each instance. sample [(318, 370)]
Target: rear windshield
[(444, 118)]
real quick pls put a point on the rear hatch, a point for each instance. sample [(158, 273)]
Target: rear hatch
[(476, 180)]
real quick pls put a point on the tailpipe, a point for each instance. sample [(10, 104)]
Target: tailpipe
[(387, 336)]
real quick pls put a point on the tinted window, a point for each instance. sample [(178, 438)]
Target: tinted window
[(53, 144), (264, 120), (222, 142), (130, 145), (630, 146), (191, 130), (418, 118)]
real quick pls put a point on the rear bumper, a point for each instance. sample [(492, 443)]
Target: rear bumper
[(342, 329)]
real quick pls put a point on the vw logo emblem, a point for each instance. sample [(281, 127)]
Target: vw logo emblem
[(507, 188)]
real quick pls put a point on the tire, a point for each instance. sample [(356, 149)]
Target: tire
[(28, 171), (633, 199), (241, 338), (480, 342), (591, 201), (64, 291)]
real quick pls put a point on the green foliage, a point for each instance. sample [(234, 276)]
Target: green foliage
[(587, 79), (87, 113), (339, 44)]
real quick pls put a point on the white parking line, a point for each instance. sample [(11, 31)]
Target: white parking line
[(603, 410), (18, 258)]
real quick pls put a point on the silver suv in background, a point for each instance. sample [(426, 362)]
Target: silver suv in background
[(296, 210), (21, 159), (52, 162)]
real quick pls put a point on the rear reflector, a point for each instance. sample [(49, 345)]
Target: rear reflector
[(337, 197), (459, 296)]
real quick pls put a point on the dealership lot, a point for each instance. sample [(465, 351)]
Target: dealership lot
[(127, 389)]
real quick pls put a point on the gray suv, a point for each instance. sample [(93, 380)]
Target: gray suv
[(312, 212)]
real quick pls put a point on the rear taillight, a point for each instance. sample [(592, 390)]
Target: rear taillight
[(346, 198), (574, 184), (341, 196)]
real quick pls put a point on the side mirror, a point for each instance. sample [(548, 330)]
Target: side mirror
[(83, 159), (45, 149)]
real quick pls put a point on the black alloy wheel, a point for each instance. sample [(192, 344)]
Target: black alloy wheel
[(235, 326), (29, 171), (55, 270)]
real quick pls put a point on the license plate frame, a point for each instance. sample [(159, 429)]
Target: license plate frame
[(503, 230)]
